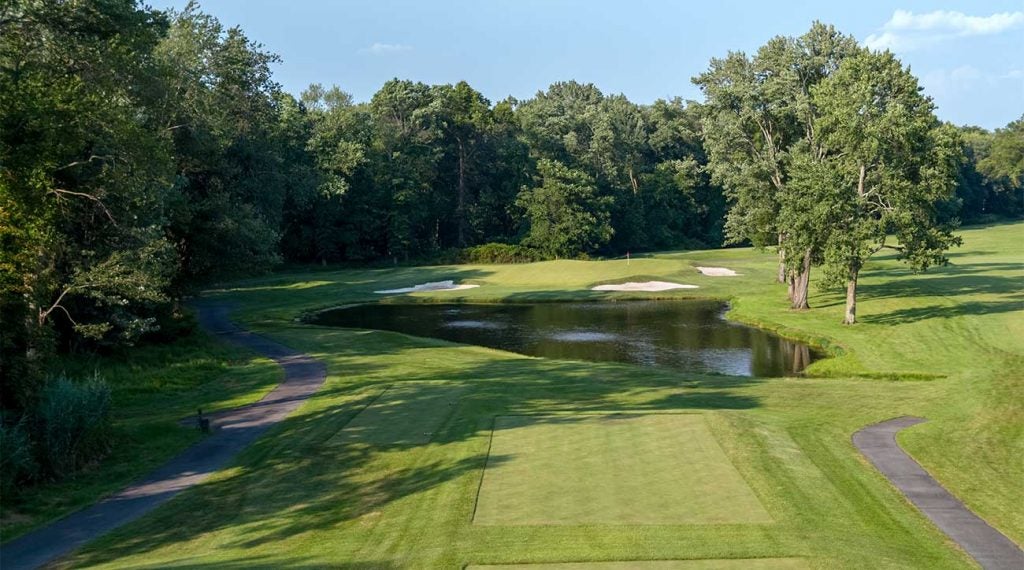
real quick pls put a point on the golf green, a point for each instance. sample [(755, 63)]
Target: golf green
[(611, 469)]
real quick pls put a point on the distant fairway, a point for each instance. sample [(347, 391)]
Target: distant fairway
[(611, 469)]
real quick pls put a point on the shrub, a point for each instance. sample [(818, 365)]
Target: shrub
[(71, 424), (500, 253), (16, 463), (171, 323)]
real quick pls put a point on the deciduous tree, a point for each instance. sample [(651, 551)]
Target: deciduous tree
[(888, 164)]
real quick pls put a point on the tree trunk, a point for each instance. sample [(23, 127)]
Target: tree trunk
[(851, 298), (460, 210), (800, 284), (782, 262), (801, 357)]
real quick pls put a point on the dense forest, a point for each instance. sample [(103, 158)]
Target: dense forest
[(145, 153)]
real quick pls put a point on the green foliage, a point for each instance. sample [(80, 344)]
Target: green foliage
[(16, 462), (566, 214), (888, 165), (84, 173), (71, 425), (991, 181), (1005, 159), (758, 116), (222, 111), (500, 253)]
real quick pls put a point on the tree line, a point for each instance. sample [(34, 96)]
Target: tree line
[(144, 153)]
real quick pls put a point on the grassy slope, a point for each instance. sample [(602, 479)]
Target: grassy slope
[(153, 388), (298, 497)]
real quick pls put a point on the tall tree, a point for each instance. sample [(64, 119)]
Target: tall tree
[(465, 117), (345, 207), (406, 139), (85, 175), (888, 164), (220, 105), (759, 115)]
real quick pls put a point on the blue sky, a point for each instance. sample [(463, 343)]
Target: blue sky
[(969, 56)]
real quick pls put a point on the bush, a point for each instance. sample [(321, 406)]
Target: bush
[(500, 253), (71, 425), (172, 323), (16, 463)]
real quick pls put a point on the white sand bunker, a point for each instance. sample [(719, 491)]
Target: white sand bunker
[(643, 286), (433, 286), (717, 272)]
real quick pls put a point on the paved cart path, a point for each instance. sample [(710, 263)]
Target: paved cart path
[(987, 545), (234, 430)]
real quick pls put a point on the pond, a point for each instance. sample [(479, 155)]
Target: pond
[(688, 335)]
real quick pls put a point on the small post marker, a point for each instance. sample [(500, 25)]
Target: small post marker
[(202, 424), (627, 259)]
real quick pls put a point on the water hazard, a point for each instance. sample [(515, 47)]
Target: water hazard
[(688, 335)]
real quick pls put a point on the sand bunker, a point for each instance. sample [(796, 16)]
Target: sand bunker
[(644, 286), (433, 286), (717, 272)]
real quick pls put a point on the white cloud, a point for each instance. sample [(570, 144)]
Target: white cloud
[(941, 83), (884, 41), (906, 30), (379, 48)]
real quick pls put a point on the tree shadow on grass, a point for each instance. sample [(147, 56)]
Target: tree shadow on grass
[(268, 562), (301, 478), (953, 269), (941, 286), (914, 314)]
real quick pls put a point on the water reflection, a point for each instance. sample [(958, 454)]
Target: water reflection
[(689, 335)]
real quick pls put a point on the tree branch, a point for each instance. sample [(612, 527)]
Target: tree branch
[(43, 315), (59, 192), (86, 161)]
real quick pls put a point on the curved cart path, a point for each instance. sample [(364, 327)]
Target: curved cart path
[(987, 545), (234, 430)]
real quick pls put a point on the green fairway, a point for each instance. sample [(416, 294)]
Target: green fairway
[(611, 469), (403, 414), (757, 564), (384, 467)]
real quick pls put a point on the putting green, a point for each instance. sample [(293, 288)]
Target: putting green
[(611, 469), (751, 564), (406, 413)]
